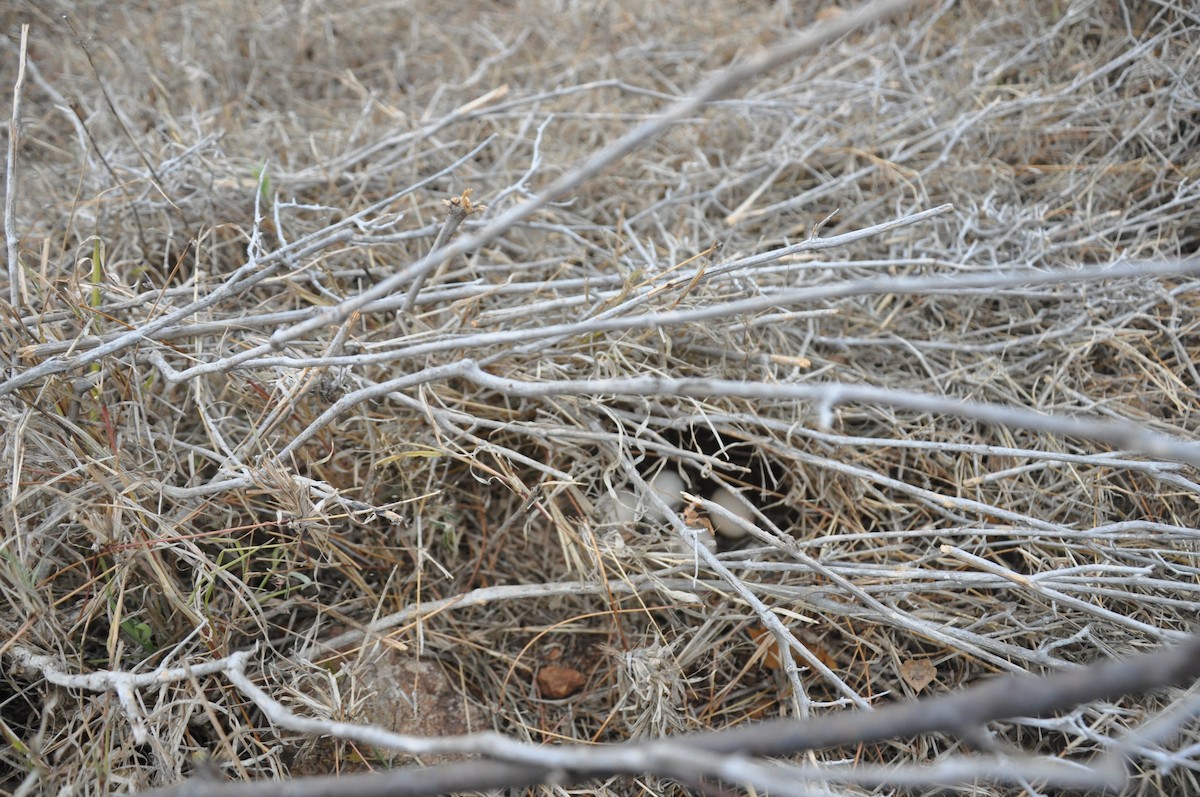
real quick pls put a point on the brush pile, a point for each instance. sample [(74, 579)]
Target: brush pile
[(870, 380)]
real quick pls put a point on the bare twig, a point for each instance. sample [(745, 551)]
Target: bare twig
[(253, 272), (826, 397), (714, 312), (721, 85), (960, 713), (124, 684), (459, 208), (10, 182)]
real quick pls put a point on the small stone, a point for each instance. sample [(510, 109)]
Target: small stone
[(556, 682)]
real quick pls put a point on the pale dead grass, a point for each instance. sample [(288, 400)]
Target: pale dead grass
[(1063, 138)]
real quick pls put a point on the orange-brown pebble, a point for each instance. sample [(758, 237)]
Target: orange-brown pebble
[(556, 682)]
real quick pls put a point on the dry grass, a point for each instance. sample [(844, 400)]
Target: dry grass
[(155, 515)]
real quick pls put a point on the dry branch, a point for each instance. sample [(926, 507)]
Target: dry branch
[(720, 754)]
